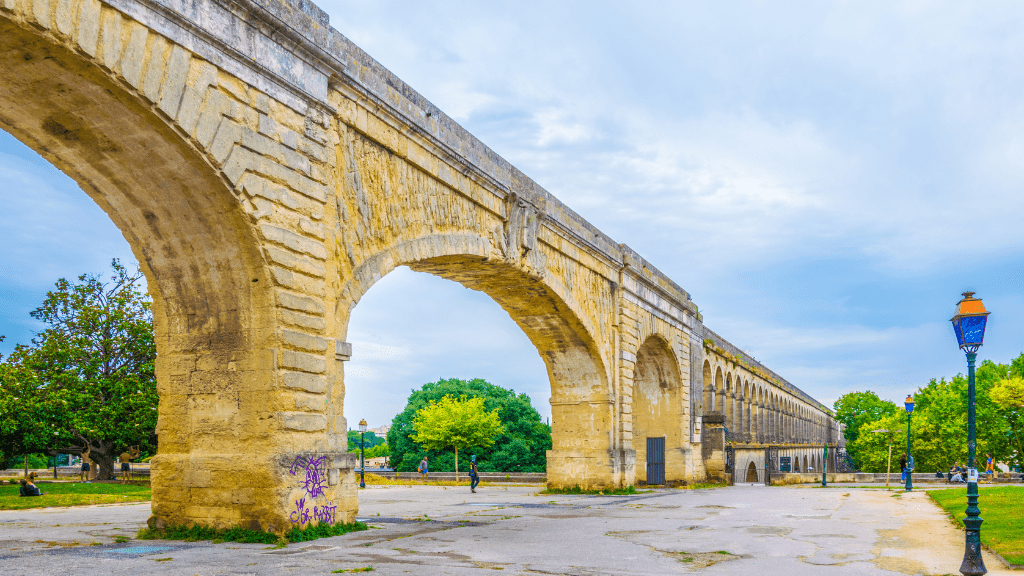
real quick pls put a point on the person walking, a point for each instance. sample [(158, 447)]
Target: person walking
[(990, 467), (903, 467), (474, 476), (424, 469)]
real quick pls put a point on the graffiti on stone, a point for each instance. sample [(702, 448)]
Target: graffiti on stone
[(312, 474)]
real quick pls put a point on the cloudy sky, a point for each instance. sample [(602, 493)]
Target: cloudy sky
[(825, 180)]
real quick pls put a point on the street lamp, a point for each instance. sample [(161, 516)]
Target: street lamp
[(969, 325), (362, 459), (888, 465), (909, 405)]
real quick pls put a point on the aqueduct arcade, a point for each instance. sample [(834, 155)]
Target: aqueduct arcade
[(267, 172)]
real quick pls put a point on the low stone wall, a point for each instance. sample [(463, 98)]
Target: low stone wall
[(513, 477), (786, 478)]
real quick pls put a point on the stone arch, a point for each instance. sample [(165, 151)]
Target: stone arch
[(805, 463), (719, 394), (796, 464), (583, 416), (729, 403), (709, 388), (118, 119), (751, 472), (658, 408)]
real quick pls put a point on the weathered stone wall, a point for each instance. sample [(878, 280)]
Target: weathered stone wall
[(267, 173)]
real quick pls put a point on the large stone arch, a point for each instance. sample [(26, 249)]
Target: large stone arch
[(708, 387), (583, 414), (130, 117), (659, 408)]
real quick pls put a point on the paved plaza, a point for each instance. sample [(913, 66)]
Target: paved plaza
[(424, 530)]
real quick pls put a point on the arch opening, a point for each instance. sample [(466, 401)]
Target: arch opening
[(658, 411), (193, 242), (583, 417)]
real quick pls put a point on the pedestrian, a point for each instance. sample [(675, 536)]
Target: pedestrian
[(990, 467), (83, 476), (903, 467), (125, 460), (474, 476), (423, 469)]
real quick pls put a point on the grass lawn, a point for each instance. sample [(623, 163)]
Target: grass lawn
[(73, 494), (1003, 529)]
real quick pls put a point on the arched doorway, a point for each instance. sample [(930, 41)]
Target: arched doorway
[(659, 416), (751, 472)]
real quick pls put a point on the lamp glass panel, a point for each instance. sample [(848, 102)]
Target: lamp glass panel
[(973, 329), (959, 330)]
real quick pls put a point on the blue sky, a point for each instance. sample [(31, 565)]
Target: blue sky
[(824, 179)]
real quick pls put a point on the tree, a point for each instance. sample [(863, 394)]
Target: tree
[(369, 438), (23, 429), (93, 367), (452, 423), (522, 448), (1008, 393), (856, 409)]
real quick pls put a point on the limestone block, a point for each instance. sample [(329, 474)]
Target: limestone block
[(310, 402), (304, 341), (178, 65), (111, 39), (134, 54), (303, 422), (292, 240), (303, 362), (299, 302), (40, 13), (296, 262), (217, 105), (304, 381), (154, 69)]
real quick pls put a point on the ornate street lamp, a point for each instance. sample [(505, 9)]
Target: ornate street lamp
[(969, 325), (362, 459), (909, 405)]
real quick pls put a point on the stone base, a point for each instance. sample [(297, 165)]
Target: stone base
[(273, 493), (591, 469)]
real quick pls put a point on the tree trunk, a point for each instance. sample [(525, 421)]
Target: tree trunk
[(456, 464), (103, 455)]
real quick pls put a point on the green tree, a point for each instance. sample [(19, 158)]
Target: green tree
[(92, 367), (369, 438), (451, 423), (856, 409), (1008, 394), (522, 448), (23, 429)]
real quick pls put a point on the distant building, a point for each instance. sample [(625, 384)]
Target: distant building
[(381, 432)]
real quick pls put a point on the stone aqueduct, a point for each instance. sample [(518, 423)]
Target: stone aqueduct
[(267, 172)]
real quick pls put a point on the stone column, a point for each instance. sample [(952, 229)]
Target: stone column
[(713, 448)]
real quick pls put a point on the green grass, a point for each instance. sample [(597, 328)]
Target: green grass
[(1003, 530), (73, 494), (323, 531), (216, 535), (363, 569), (244, 535), (577, 490)]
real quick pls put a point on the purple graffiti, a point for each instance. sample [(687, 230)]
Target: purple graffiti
[(324, 514), (300, 515), (315, 468)]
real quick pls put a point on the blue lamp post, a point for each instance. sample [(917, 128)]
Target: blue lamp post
[(969, 325), (362, 459), (909, 405)]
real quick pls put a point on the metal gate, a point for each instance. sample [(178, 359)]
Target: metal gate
[(655, 461)]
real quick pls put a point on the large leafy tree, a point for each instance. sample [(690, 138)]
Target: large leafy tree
[(1008, 394), (521, 448), (452, 423), (92, 366), (854, 410)]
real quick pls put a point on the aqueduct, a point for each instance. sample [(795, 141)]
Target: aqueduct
[(267, 172)]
